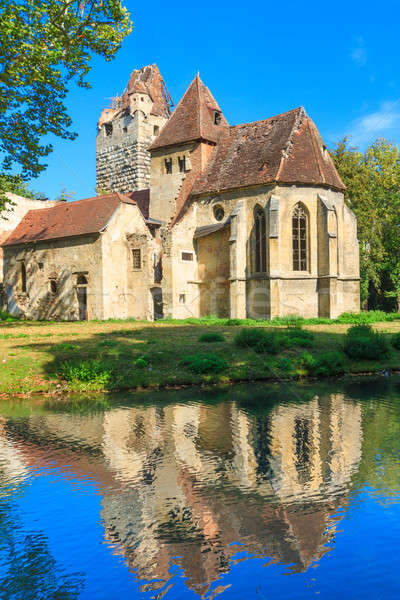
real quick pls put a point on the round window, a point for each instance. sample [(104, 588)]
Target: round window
[(219, 212)]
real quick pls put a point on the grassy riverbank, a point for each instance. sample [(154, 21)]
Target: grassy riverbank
[(40, 356)]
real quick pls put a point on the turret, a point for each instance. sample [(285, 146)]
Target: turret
[(126, 130)]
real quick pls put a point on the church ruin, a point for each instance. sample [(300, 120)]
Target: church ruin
[(193, 217)]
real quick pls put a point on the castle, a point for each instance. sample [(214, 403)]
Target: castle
[(193, 217)]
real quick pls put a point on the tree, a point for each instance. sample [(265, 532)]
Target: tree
[(44, 45), (372, 179)]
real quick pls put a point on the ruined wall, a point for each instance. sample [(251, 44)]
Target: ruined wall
[(10, 218), (122, 159), (213, 257), (60, 261), (127, 286)]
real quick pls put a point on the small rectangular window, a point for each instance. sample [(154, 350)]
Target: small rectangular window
[(156, 129), (108, 129), (136, 259), (182, 164), (168, 165), (187, 255), (182, 298)]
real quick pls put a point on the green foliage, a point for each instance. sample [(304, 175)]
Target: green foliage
[(362, 343), (260, 340), (44, 45), (372, 179), (204, 363), (295, 336), (16, 185), (325, 364), (396, 341), (88, 371), (5, 316), (142, 362), (211, 337), (361, 330), (370, 316)]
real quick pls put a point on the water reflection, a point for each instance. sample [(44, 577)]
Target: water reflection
[(203, 485)]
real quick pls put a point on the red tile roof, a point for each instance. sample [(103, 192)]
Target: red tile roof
[(286, 149), (142, 199), (67, 219), (192, 119)]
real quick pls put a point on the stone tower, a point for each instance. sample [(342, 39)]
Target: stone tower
[(125, 131)]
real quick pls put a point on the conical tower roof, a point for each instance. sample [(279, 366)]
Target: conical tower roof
[(193, 119)]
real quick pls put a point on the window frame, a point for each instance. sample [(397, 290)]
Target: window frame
[(140, 262), (260, 241), (188, 253), (300, 238)]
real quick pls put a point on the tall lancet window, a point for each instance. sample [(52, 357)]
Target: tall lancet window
[(300, 238), (260, 242)]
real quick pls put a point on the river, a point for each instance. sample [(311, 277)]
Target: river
[(282, 491)]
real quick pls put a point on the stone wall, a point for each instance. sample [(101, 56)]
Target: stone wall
[(16, 210), (122, 159), (60, 261)]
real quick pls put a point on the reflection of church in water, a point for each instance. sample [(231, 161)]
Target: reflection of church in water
[(194, 481)]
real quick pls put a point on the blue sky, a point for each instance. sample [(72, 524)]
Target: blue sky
[(340, 60)]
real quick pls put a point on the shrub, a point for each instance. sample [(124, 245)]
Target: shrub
[(323, 365), (295, 336), (259, 340), (88, 371), (205, 363), (360, 331), (234, 322), (285, 365), (368, 347), (142, 362), (210, 337), (396, 341), (5, 316), (329, 363)]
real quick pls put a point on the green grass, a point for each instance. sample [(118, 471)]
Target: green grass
[(105, 355)]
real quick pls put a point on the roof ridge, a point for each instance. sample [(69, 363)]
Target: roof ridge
[(311, 134), (298, 108), (286, 150)]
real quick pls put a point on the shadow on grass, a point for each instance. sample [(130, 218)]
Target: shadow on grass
[(154, 357)]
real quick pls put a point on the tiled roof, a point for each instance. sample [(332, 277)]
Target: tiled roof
[(67, 219), (286, 149), (192, 119), (142, 199)]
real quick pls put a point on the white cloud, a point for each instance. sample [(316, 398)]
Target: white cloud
[(385, 121), (359, 53)]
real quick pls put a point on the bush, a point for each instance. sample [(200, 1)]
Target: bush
[(5, 316), (295, 336), (142, 362), (204, 363), (210, 337), (372, 346), (396, 341), (324, 365), (88, 371), (234, 322), (360, 331), (259, 340)]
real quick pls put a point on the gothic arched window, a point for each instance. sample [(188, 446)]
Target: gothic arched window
[(300, 238), (260, 242)]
